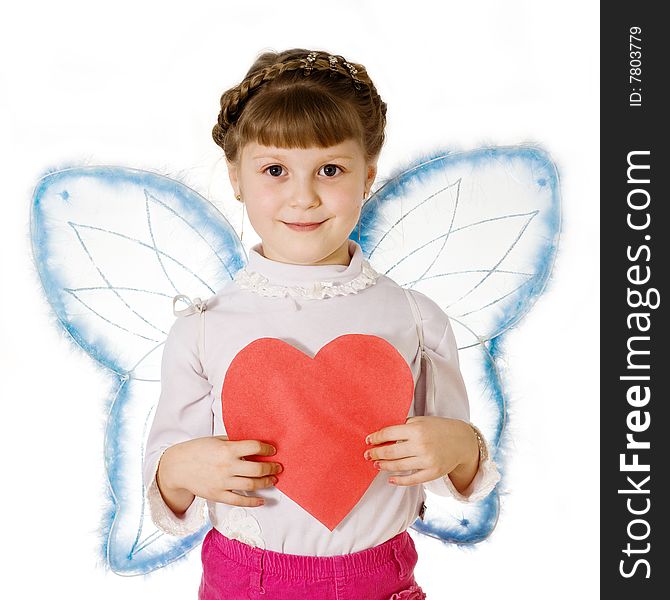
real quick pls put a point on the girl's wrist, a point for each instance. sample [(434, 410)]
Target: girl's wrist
[(178, 499), (165, 472), (466, 470), (472, 451)]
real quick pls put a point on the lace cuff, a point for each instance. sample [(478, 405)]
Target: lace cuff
[(484, 481), (166, 520)]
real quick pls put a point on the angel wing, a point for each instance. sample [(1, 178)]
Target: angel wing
[(478, 233), (112, 247)]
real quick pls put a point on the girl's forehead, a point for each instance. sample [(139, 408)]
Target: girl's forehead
[(347, 149)]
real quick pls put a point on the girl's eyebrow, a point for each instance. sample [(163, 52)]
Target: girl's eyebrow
[(280, 157)]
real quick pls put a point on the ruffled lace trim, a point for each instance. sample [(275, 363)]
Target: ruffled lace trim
[(254, 281), (163, 517), (240, 525), (482, 484), (485, 480)]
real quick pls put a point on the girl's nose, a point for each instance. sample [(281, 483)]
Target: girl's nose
[(305, 196)]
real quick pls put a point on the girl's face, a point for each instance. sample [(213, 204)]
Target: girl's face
[(284, 187)]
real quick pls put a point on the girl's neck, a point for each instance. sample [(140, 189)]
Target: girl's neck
[(341, 256), (268, 277)]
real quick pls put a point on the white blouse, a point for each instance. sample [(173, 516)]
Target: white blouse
[(306, 306)]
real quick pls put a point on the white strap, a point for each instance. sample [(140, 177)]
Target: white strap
[(417, 317), (193, 306), (427, 407)]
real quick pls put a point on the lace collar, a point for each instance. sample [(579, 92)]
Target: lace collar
[(276, 279)]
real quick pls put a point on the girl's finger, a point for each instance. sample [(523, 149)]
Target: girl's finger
[(392, 451), (421, 476), (404, 464), (252, 468), (393, 433), (254, 447), (235, 499), (248, 484)]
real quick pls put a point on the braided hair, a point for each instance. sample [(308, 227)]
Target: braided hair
[(301, 99)]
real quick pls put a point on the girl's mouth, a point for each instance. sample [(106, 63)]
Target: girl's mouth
[(303, 226)]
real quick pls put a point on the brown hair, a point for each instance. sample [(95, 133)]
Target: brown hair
[(285, 101)]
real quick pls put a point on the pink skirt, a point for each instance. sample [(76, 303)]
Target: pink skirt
[(233, 570)]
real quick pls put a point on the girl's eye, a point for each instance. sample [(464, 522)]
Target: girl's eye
[(274, 170), (329, 170)]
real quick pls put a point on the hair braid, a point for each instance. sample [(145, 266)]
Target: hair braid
[(233, 101), (275, 76)]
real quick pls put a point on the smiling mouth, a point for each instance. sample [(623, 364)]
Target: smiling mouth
[(304, 226)]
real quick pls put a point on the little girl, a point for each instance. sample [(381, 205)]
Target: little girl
[(302, 135)]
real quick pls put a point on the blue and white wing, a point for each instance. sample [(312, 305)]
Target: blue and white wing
[(478, 233), (113, 246)]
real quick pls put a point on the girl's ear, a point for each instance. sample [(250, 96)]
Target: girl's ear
[(233, 175), (372, 173)]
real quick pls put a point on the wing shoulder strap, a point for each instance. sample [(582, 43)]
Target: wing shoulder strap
[(193, 306), (417, 317), (425, 403)]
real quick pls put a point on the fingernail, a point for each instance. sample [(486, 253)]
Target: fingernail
[(392, 481), (274, 480), (367, 440), (377, 465), (367, 455), (279, 468)]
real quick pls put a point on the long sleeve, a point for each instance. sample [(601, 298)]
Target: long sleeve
[(184, 412), (446, 396)]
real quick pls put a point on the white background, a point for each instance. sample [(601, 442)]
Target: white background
[(138, 84)]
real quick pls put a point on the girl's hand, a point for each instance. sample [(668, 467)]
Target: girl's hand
[(211, 467), (434, 446)]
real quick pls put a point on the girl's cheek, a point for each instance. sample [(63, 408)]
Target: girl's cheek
[(347, 198), (269, 192), (265, 198)]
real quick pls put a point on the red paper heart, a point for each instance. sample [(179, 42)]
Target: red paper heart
[(317, 412)]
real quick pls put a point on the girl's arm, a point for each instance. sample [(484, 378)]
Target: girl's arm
[(183, 413), (473, 479)]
